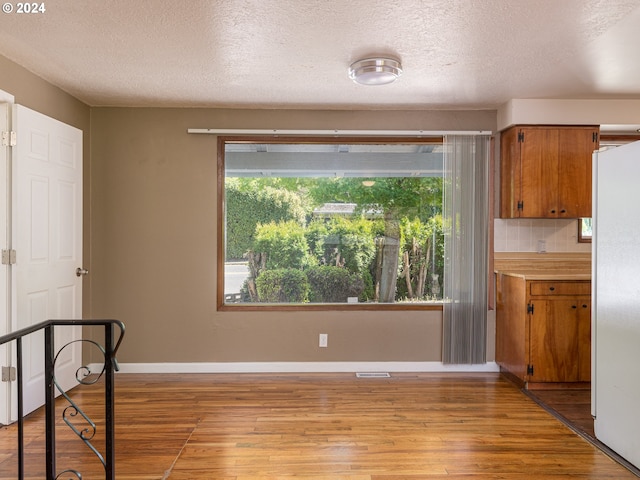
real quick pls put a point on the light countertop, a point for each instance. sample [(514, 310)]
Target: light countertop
[(533, 266)]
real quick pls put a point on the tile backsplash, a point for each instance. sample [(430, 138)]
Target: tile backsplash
[(532, 235)]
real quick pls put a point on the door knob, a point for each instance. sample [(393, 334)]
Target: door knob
[(81, 271)]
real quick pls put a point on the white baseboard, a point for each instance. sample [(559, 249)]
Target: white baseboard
[(301, 367)]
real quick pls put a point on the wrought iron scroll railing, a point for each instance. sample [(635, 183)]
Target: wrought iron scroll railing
[(87, 431)]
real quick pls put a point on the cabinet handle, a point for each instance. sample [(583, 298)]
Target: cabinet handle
[(574, 306), (584, 306)]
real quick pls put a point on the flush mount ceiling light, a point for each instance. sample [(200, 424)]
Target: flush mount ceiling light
[(375, 71)]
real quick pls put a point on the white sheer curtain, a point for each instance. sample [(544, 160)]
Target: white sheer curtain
[(466, 207)]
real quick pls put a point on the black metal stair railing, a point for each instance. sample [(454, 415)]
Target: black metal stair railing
[(70, 413)]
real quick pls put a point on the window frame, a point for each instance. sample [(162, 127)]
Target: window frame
[(582, 238), (220, 223)]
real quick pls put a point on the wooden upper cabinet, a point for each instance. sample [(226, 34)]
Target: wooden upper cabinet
[(546, 171)]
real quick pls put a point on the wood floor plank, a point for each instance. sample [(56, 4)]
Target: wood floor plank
[(323, 426)]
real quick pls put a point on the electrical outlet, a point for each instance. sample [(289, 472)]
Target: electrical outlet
[(542, 246), (324, 340)]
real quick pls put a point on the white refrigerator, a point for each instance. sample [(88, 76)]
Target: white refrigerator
[(616, 300)]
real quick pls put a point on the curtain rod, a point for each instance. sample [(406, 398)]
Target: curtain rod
[(386, 133)]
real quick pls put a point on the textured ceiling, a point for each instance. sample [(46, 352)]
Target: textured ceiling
[(295, 53)]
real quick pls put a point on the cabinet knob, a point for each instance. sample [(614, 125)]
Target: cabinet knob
[(553, 211), (574, 306), (584, 306), (563, 211), (552, 288)]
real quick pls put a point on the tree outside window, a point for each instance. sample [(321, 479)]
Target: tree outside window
[(326, 223)]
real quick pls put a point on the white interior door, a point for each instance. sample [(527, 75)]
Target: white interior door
[(47, 237), (5, 270)]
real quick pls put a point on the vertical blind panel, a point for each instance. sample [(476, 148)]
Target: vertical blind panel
[(466, 206)]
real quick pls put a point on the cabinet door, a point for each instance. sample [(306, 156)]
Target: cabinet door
[(575, 150), (539, 172), (512, 350), (554, 333), (584, 339), (546, 171), (509, 173)]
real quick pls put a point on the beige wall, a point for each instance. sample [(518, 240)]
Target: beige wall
[(153, 241), (34, 92), (150, 239)]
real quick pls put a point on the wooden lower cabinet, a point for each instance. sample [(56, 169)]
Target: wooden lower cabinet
[(543, 330)]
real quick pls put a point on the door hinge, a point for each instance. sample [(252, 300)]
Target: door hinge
[(520, 205), (9, 139), (9, 374), (594, 137), (530, 308), (8, 257), (520, 137), (529, 369)]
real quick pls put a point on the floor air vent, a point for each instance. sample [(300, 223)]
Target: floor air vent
[(373, 375)]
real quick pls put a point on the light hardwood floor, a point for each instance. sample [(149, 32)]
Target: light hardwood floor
[(323, 426)]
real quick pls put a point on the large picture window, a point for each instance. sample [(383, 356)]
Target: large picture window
[(330, 222)]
